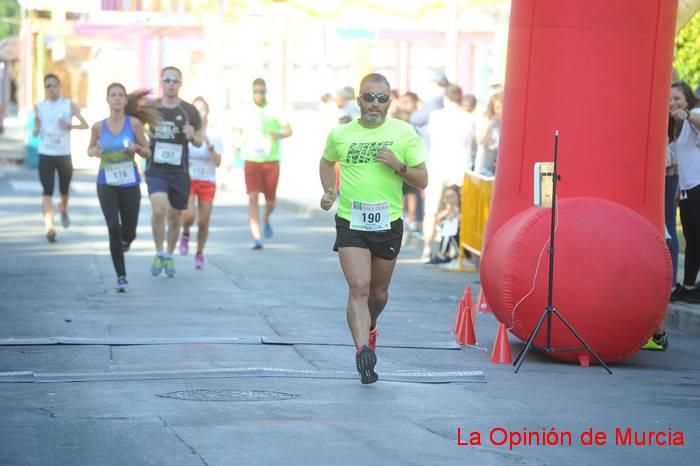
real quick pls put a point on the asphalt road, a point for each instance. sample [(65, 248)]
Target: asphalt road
[(182, 371)]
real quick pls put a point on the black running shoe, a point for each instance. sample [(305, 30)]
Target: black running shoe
[(437, 260), (365, 359), (680, 293), (693, 296)]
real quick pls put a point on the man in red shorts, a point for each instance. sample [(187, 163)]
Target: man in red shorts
[(264, 129)]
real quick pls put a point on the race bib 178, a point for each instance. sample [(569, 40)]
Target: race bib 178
[(119, 174)]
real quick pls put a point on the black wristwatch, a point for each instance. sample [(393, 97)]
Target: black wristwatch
[(403, 169)]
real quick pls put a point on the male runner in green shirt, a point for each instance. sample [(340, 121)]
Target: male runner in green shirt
[(376, 154)]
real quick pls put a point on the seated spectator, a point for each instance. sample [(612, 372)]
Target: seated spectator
[(451, 131), (446, 228)]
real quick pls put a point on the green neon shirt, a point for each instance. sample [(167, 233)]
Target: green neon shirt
[(361, 177)]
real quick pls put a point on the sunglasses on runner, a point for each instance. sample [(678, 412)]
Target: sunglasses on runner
[(171, 80), (51, 86), (369, 97)]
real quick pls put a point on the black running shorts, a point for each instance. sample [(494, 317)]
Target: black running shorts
[(383, 244), (176, 184)]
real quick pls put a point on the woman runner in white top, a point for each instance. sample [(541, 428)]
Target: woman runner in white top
[(203, 163), (53, 124)]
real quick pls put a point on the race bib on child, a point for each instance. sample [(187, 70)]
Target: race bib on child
[(202, 170), (167, 153), (370, 216), (119, 174)]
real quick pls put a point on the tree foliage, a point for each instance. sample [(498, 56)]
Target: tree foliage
[(9, 18), (687, 59)]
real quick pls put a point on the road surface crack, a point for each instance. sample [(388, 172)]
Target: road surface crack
[(229, 276), (190, 447), (296, 350), (47, 412)]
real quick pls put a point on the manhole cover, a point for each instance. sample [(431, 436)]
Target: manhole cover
[(229, 395)]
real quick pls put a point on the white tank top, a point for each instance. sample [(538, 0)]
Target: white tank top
[(687, 151), (53, 140), (202, 168)]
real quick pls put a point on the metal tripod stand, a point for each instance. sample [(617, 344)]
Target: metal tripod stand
[(550, 309)]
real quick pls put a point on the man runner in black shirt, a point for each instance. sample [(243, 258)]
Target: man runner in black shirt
[(167, 174)]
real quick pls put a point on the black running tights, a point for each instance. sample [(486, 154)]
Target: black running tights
[(690, 221), (49, 165), (120, 203)]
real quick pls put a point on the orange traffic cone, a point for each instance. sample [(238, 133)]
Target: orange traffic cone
[(501, 347), (483, 306), (469, 300), (465, 304), (458, 319), (465, 332)]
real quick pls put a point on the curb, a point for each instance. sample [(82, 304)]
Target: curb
[(684, 317)]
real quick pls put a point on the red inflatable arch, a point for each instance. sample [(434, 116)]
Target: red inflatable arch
[(599, 72)]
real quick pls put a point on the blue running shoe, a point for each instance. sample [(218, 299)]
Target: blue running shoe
[(157, 266), (169, 266), (268, 231)]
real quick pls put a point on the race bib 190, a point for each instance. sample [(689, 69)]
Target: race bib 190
[(168, 153), (370, 216), (119, 174)]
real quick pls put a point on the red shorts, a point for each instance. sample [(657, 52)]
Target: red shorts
[(204, 189), (262, 177)]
